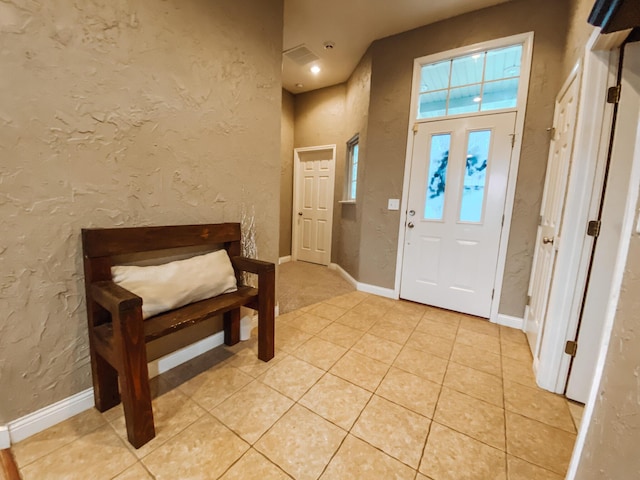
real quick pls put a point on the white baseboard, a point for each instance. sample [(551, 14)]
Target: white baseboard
[(380, 291), (5, 439), (282, 260), (364, 287), (64, 409), (344, 274), (49, 416), (166, 363), (509, 321)]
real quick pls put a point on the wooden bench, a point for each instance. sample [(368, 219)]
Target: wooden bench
[(117, 333)]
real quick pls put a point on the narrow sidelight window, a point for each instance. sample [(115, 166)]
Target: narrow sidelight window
[(352, 167)]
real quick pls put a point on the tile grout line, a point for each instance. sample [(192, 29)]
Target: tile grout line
[(435, 408), (504, 411), (349, 432)]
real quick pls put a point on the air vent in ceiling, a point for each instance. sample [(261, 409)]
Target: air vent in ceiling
[(301, 55)]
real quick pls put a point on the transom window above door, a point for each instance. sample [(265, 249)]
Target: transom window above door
[(479, 82)]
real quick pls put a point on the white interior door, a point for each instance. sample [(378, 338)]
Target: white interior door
[(602, 291), (456, 201), (549, 233), (313, 204)]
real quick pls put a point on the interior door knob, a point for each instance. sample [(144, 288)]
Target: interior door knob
[(410, 225), (547, 240), (300, 213)]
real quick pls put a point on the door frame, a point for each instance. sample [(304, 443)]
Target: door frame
[(600, 43), (527, 49), (591, 142), (296, 190)]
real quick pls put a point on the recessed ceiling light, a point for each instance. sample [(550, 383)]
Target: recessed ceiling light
[(477, 99), (315, 69), (299, 85), (328, 45)]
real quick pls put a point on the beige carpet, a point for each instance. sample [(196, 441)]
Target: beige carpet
[(301, 284)]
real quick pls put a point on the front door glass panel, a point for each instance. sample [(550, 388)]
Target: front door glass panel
[(437, 176), (475, 176)]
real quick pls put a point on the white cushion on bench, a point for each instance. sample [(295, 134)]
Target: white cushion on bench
[(174, 284)]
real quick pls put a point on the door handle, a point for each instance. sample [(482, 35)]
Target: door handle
[(547, 240), (412, 213), (410, 225), (300, 213)]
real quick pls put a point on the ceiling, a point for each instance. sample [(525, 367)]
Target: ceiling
[(352, 25)]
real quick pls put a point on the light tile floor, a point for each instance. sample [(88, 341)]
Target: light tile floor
[(362, 387)]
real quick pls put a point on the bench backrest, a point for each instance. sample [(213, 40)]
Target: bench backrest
[(101, 245)]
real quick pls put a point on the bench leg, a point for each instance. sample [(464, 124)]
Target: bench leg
[(266, 347), (105, 383), (134, 382), (232, 327), (266, 316)]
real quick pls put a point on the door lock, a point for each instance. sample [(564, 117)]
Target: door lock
[(547, 240), (412, 213)]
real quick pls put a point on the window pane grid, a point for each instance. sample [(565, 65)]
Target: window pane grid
[(482, 81)]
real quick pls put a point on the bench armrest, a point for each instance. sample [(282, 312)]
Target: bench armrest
[(252, 265), (113, 297)]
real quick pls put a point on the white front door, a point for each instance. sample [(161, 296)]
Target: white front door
[(551, 212), (456, 200), (313, 204)]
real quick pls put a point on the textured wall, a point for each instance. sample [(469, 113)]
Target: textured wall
[(578, 33), (388, 123), (611, 446), (356, 119), (286, 171), (320, 120), (117, 113)]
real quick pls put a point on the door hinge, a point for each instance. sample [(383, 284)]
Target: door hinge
[(528, 301), (513, 139), (503, 219), (571, 348), (552, 132), (613, 94), (593, 228), (415, 128), (540, 220), (493, 292)]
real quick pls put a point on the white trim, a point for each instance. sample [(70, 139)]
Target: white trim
[(619, 268), (5, 439), (49, 416), (296, 190), (286, 259), (380, 291), (55, 413), (527, 53), (344, 274), (509, 321), (166, 363), (591, 144), (364, 287)]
